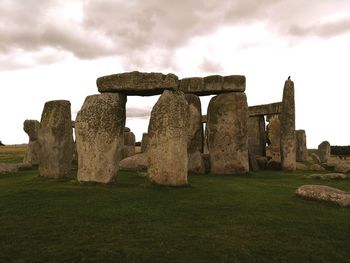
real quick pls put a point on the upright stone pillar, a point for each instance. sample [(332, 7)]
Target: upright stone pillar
[(99, 132), (167, 148), (31, 127), (195, 135), (301, 150), (256, 135), (324, 151), (287, 117), (129, 144), (144, 142), (227, 133), (55, 137), (273, 138)]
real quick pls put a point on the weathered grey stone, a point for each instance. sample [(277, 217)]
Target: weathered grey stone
[(213, 84), (126, 129), (273, 132), (316, 167), (262, 162), (315, 158), (129, 144), (324, 193), (55, 137), (287, 117), (253, 164), (265, 109), (31, 156), (301, 150), (127, 151), (324, 151), (144, 142), (206, 160), (167, 131), (99, 130), (195, 134), (137, 83), (204, 118), (227, 133), (129, 138), (137, 162), (8, 168), (327, 176), (342, 167), (274, 165), (256, 135)]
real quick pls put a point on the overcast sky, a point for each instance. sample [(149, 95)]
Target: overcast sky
[(55, 49)]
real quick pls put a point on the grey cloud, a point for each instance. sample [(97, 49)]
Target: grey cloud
[(134, 112), (144, 33), (210, 66)]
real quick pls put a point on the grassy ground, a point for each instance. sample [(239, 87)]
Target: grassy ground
[(255, 218), (12, 153)]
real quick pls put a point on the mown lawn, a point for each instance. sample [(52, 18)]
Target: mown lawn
[(12, 153), (255, 218)]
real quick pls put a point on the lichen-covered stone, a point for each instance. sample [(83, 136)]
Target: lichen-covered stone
[(99, 131), (324, 151), (301, 150), (287, 118), (31, 127), (137, 162), (144, 142), (129, 144), (55, 137), (137, 83), (324, 193), (227, 133), (256, 135), (168, 136), (195, 134), (273, 138), (214, 84), (327, 176)]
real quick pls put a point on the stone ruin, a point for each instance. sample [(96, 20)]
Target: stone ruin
[(176, 142)]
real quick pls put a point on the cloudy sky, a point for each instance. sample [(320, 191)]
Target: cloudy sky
[(55, 49)]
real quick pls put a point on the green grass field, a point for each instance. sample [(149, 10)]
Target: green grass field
[(255, 218)]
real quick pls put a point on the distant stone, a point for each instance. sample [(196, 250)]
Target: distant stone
[(137, 162), (129, 144), (273, 134), (316, 167), (144, 142), (342, 167), (324, 193), (55, 137), (195, 135), (301, 166), (213, 84), (31, 127), (287, 117), (327, 176), (315, 158), (99, 130), (228, 133), (167, 148), (262, 162), (301, 150), (126, 129), (324, 151), (137, 83), (8, 168)]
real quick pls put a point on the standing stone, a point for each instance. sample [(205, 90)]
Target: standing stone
[(195, 135), (99, 132), (55, 137), (167, 148), (256, 135), (144, 142), (273, 138), (129, 144), (324, 151), (227, 133), (31, 127), (301, 150), (287, 117)]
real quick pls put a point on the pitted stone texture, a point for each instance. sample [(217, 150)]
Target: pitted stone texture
[(167, 148), (99, 131), (129, 144), (301, 150), (144, 142), (137, 83), (31, 127), (215, 84), (273, 134), (287, 117), (265, 109), (55, 137), (137, 162), (227, 133), (324, 193), (256, 136), (195, 135), (324, 151)]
